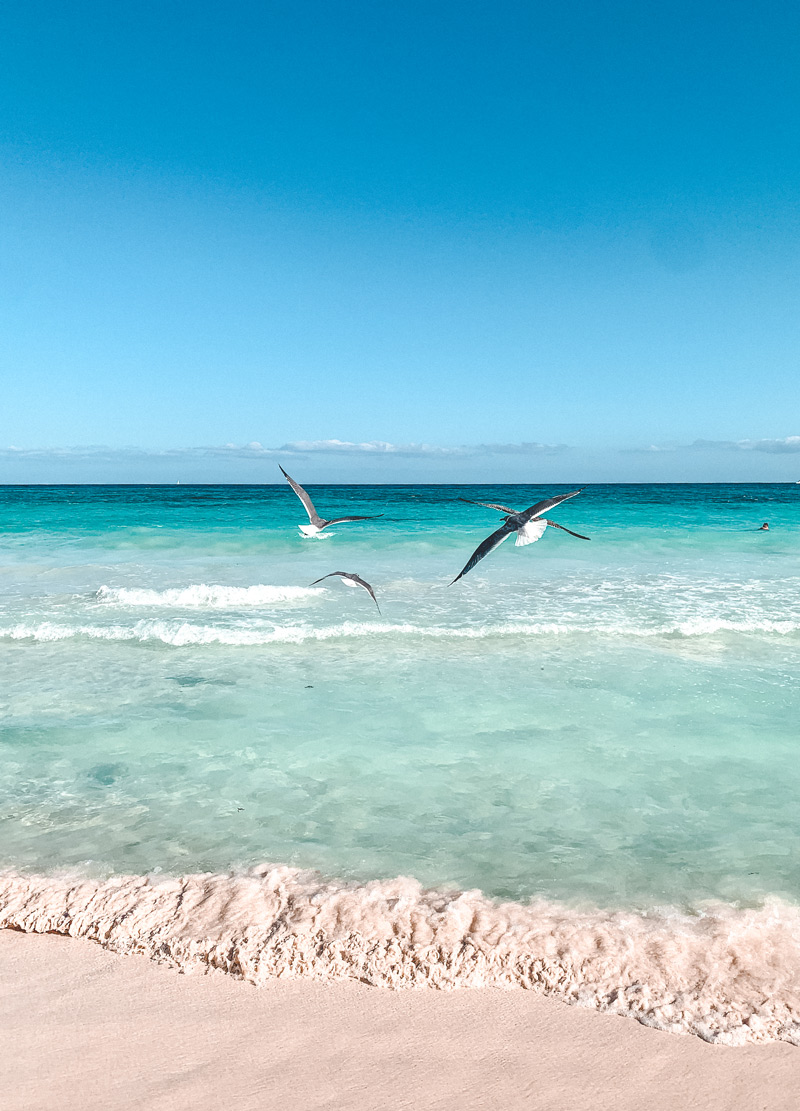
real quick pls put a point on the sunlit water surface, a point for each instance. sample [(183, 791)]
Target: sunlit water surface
[(611, 723)]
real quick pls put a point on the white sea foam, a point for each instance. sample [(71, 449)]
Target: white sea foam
[(707, 626), (182, 633), (220, 597), (727, 975)]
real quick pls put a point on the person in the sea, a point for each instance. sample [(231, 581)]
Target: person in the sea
[(763, 528)]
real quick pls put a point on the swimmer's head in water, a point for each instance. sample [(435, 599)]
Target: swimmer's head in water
[(764, 527)]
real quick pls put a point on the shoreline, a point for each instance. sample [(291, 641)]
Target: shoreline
[(727, 976), (85, 1027)]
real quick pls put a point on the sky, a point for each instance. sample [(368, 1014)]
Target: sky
[(439, 241)]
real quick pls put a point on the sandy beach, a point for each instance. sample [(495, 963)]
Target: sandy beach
[(82, 1027)]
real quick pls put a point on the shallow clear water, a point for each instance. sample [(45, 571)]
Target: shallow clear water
[(610, 723)]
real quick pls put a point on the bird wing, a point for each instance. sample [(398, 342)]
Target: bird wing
[(341, 520), (308, 504), (341, 574), (488, 545), (489, 505), (367, 587), (553, 524), (542, 506)]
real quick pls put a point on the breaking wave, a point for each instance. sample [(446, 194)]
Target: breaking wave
[(727, 975), (222, 597), (183, 633)]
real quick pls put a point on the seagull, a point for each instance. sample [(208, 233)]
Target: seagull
[(528, 524), (317, 523), (351, 580)]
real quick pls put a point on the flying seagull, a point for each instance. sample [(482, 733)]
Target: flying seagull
[(317, 523), (351, 580), (529, 525)]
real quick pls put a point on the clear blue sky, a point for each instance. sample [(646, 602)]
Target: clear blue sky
[(514, 241)]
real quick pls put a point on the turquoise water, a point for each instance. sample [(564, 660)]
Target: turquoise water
[(610, 723)]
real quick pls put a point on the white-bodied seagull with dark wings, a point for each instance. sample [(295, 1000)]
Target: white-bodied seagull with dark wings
[(528, 524), (350, 579), (317, 523)]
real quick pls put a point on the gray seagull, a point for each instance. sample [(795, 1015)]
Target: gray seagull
[(351, 580), (317, 523), (528, 524)]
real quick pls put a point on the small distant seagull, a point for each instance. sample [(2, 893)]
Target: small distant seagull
[(351, 580), (763, 528), (317, 523), (528, 524)]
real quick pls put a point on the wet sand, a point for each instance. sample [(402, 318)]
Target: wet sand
[(84, 1028)]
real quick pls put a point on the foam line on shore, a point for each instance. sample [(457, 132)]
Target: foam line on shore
[(181, 633), (727, 975), (199, 594)]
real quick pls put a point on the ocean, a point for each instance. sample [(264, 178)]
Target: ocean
[(575, 770)]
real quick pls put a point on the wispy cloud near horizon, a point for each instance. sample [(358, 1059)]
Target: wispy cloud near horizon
[(789, 444), (381, 461), (299, 448), (783, 446)]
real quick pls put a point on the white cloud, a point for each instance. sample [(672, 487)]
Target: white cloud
[(773, 447), (368, 447), (787, 445), (255, 450), (381, 447)]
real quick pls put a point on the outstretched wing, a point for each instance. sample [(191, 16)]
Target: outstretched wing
[(341, 520), (542, 506), (488, 545), (489, 505), (368, 588), (553, 524), (340, 574), (308, 504)]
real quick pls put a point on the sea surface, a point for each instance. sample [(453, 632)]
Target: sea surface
[(609, 728)]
